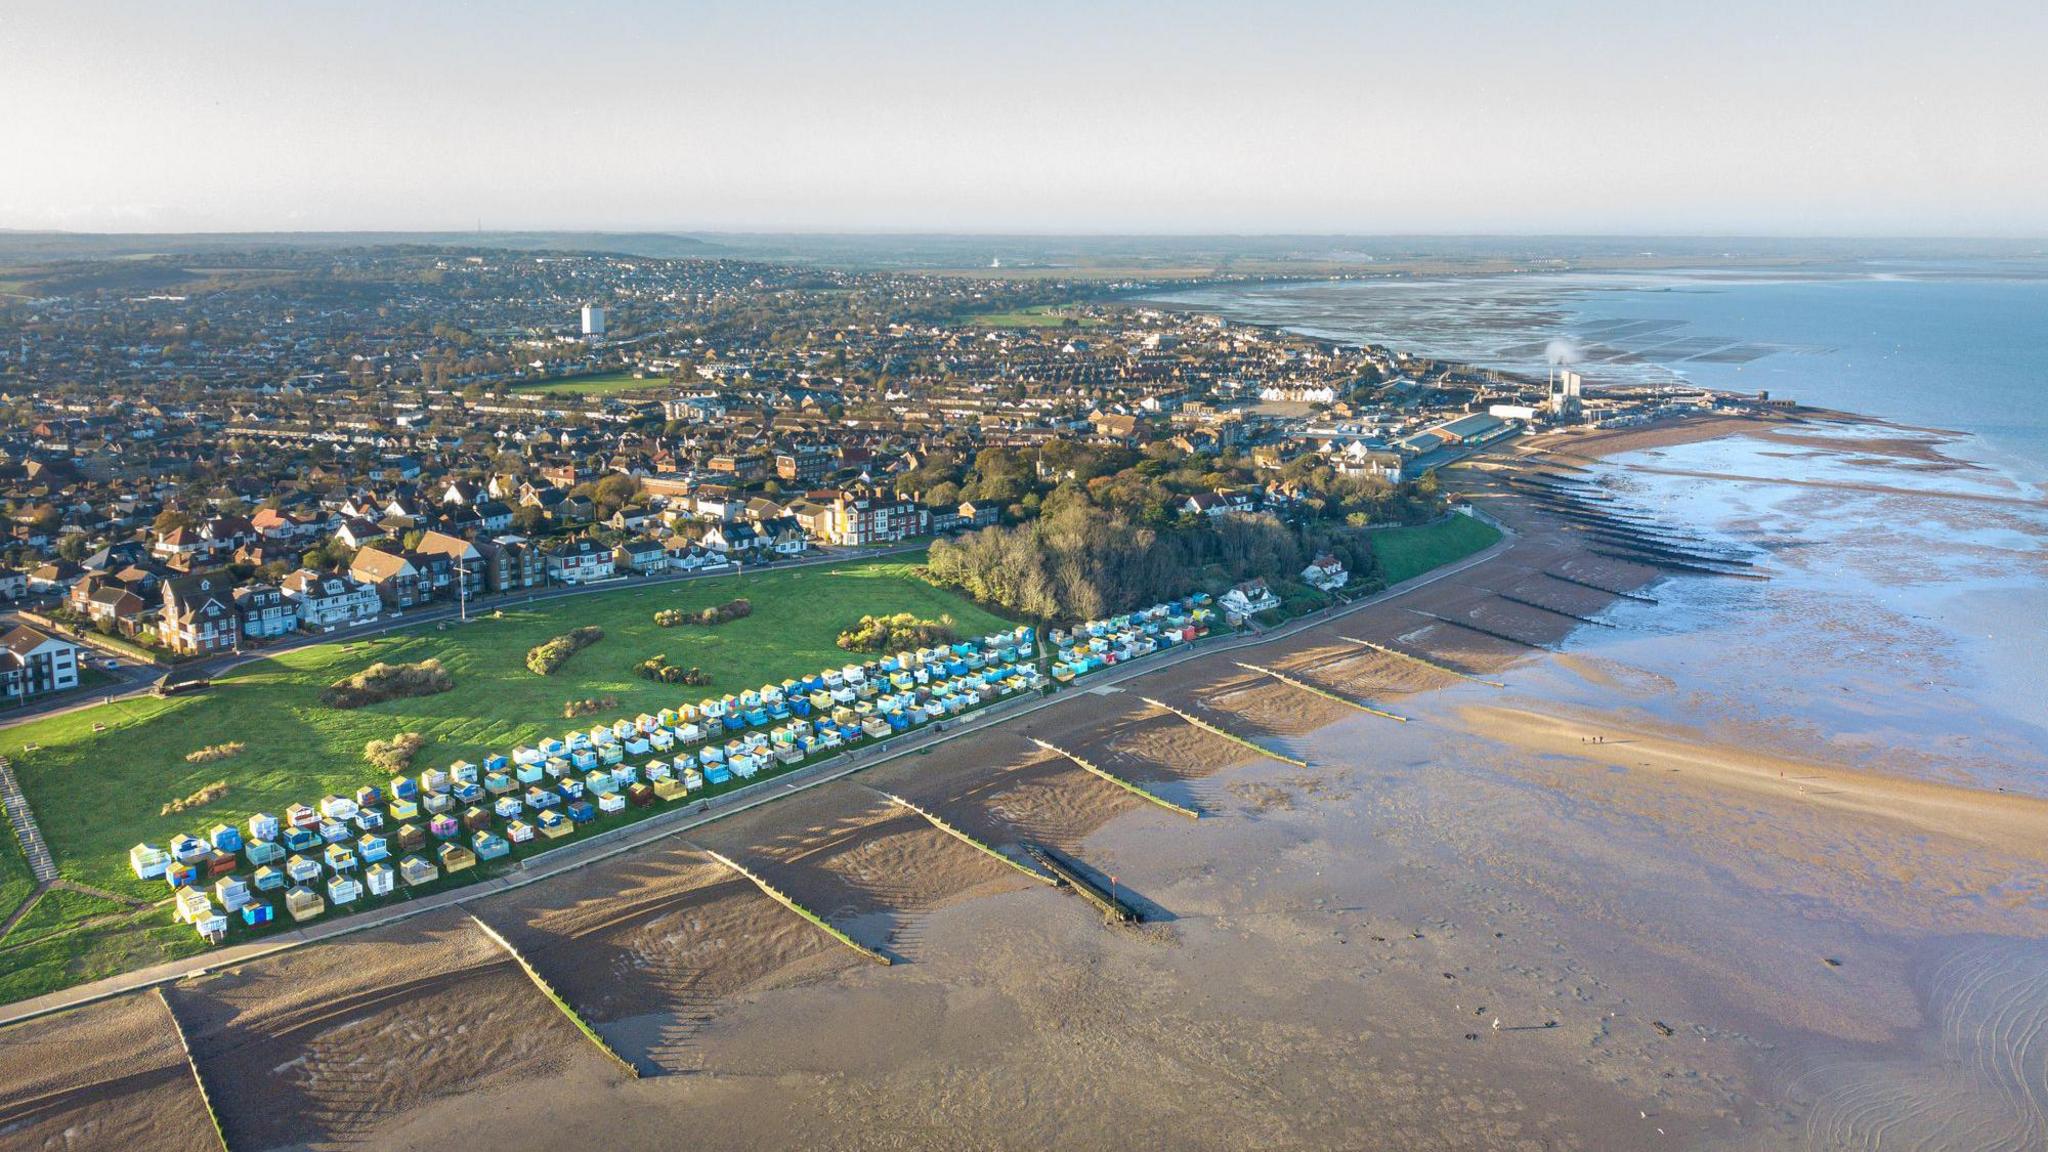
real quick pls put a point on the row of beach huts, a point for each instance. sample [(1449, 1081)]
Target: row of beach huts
[(1120, 639), (414, 831)]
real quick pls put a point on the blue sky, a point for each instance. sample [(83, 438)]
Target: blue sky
[(1861, 119)]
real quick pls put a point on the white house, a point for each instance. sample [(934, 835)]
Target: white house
[(579, 562), (1326, 573), (1248, 599), (33, 662), (326, 602)]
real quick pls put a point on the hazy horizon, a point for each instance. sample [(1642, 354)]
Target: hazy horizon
[(1583, 119)]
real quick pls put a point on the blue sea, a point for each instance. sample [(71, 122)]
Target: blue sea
[(1960, 346)]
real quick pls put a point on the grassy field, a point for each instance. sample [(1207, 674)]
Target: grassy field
[(601, 384), (1041, 316), (98, 793), (1409, 552)]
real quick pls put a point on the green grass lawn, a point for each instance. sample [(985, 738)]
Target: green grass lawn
[(1040, 316), (1408, 552), (601, 384), (96, 794)]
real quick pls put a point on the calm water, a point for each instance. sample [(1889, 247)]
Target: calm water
[(1962, 347)]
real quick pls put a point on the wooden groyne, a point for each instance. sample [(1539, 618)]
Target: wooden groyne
[(789, 902), (1411, 657), (1636, 596), (1233, 737), (1482, 630), (554, 997), (935, 821), (1119, 781), (1291, 682), (1074, 878), (192, 1063), (1650, 561), (1527, 603)]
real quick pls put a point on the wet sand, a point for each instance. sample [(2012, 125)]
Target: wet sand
[(1483, 928)]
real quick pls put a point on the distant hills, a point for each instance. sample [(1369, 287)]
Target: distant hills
[(44, 247)]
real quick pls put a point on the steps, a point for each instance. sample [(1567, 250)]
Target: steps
[(40, 862)]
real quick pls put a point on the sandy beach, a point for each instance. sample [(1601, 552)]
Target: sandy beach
[(1596, 889)]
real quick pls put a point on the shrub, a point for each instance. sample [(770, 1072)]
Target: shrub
[(658, 669), (546, 658), (589, 706), (894, 633), (199, 799), (709, 617), (381, 681), (212, 752), (394, 755)]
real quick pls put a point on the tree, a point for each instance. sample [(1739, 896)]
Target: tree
[(170, 520)]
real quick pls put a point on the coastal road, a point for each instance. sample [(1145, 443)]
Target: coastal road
[(139, 679), (606, 845)]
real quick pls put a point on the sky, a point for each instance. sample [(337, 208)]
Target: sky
[(1807, 118)]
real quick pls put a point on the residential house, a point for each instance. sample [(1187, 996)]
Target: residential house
[(325, 601), (1248, 599), (199, 615), (464, 559), (580, 561), (396, 578), (735, 539), (512, 563), (643, 556), (1326, 573), (265, 612), (33, 662)]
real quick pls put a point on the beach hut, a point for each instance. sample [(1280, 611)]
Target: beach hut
[(403, 810), (581, 811), (499, 783), (612, 753), (524, 755), (303, 903), (190, 905), (231, 891), (369, 796), (148, 861), (368, 820), (415, 871), (611, 803), (301, 816), (597, 783), (693, 780), (716, 774), (336, 808), (269, 878), (637, 745), (527, 773), (489, 845), (410, 838), (181, 875), (540, 799), (519, 832), (660, 740), (466, 794), (691, 733), (583, 760), (380, 879), (344, 890), (434, 780), (438, 802), (640, 795), (263, 826), (623, 775), (402, 788), (217, 863), (496, 762), (189, 849), (507, 807), (669, 790), (657, 770), (475, 818), (341, 858), (570, 789), (302, 869), (551, 747), (257, 913), (334, 831), (558, 767), (554, 825), (455, 858), (259, 852), (443, 826), (371, 848), (462, 772)]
